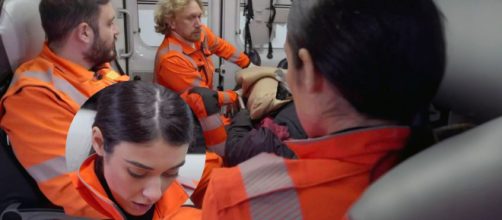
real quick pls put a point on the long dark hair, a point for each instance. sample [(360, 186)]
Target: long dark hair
[(386, 57), (139, 112)]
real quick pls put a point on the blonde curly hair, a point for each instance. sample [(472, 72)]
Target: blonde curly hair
[(166, 9)]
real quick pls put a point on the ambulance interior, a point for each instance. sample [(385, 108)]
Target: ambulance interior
[(456, 178)]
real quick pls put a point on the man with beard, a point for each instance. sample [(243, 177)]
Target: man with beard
[(183, 59), (183, 62), (47, 91)]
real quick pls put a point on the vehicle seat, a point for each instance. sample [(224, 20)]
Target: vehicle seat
[(21, 38), (458, 178)]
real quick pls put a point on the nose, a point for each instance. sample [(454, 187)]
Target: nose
[(115, 30), (198, 22), (153, 190)]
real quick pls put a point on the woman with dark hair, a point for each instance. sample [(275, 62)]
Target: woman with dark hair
[(359, 73), (140, 134)]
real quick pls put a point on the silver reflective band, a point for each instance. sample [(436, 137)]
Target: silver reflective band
[(235, 56), (48, 169), (177, 47), (211, 122), (164, 51), (69, 90), (59, 83), (226, 98), (263, 177), (279, 205), (218, 148), (197, 82)]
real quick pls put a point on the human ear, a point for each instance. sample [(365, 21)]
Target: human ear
[(171, 23), (84, 32), (98, 141), (312, 80)]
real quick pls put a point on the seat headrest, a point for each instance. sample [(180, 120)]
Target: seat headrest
[(473, 81), (456, 179), (21, 31)]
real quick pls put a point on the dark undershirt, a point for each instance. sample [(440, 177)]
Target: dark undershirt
[(98, 169)]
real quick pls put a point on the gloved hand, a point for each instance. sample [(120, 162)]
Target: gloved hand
[(209, 97), (242, 118)]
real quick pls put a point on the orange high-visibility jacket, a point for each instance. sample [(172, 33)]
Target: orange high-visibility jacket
[(181, 65), (213, 127), (330, 174), (36, 113), (212, 161), (168, 207)]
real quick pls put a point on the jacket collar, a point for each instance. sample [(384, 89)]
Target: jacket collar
[(188, 47), (90, 187), (69, 69), (352, 143)]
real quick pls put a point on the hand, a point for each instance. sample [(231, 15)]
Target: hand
[(239, 92), (209, 97), (241, 118), (251, 64)]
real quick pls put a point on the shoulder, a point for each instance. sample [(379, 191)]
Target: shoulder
[(260, 175), (37, 64), (35, 97)]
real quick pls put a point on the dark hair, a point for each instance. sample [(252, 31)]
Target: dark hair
[(386, 57), (59, 17), (139, 112)]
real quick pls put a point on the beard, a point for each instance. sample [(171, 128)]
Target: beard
[(100, 52), (195, 37)]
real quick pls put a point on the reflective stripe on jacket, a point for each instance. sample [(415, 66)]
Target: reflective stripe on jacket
[(36, 113), (180, 65), (330, 174), (89, 186), (213, 128)]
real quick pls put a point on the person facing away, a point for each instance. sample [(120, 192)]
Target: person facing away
[(47, 91), (359, 71), (140, 136)]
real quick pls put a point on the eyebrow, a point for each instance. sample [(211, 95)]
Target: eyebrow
[(140, 165)]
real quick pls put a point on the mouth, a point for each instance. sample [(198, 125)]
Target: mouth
[(141, 207)]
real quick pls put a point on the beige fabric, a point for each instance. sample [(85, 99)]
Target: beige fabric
[(259, 85)]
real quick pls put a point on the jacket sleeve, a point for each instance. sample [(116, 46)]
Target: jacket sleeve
[(245, 142), (225, 50), (227, 97), (212, 125), (37, 131)]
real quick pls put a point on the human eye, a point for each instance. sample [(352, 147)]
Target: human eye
[(171, 174), (111, 21), (136, 174)]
